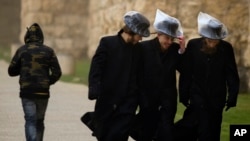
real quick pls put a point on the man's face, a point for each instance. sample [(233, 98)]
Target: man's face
[(165, 41), (211, 43)]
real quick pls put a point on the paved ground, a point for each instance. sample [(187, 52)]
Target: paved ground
[(67, 104)]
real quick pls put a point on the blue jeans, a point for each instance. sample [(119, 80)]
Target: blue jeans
[(34, 113)]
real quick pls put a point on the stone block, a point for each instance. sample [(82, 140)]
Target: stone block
[(13, 48), (67, 63)]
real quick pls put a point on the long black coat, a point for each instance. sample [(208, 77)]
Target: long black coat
[(113, 81), (158, 89), (210, 80), (159, 71)]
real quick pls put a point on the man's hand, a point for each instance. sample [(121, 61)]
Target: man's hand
[(182, 44)]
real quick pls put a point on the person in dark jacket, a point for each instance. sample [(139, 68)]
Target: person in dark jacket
[(38, 68), (113, 79), (161, 60), (212, 81)]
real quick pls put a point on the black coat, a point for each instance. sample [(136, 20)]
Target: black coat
[(159, 71), (113, 71), (113, 82), (158, 89), (209, 78)]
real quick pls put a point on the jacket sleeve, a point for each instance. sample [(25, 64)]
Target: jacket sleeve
[(232, 78), (96, 70), (55, 69), (15, 65)]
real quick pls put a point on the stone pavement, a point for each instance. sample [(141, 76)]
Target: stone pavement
[(66, 105)]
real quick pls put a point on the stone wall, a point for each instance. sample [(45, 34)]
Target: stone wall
[(106, 18), (10, 22), (63, 23), (75, 27)]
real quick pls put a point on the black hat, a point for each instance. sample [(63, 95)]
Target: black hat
[(137, 23)]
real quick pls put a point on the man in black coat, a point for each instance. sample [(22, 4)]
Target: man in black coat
[(113, 79), (158, 100), (211, 81)]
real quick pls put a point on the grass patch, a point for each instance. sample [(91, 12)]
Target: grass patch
[(237, 115), (81, 72), (5, 53)]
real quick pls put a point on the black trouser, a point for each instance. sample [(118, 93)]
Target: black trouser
[(168, 110), (209, 126), (147, 121)]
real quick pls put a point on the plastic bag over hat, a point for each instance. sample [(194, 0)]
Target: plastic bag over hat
[(168, 25), (210, 27), (137, 23)]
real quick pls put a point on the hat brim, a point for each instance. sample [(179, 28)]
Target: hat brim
[(146, 33)]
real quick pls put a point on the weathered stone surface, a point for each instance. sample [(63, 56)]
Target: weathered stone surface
[(233, 13), (10, 22), (67, 63), (76, 26), (63, 23)]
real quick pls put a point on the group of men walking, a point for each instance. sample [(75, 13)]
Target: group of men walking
[(134, 83)]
